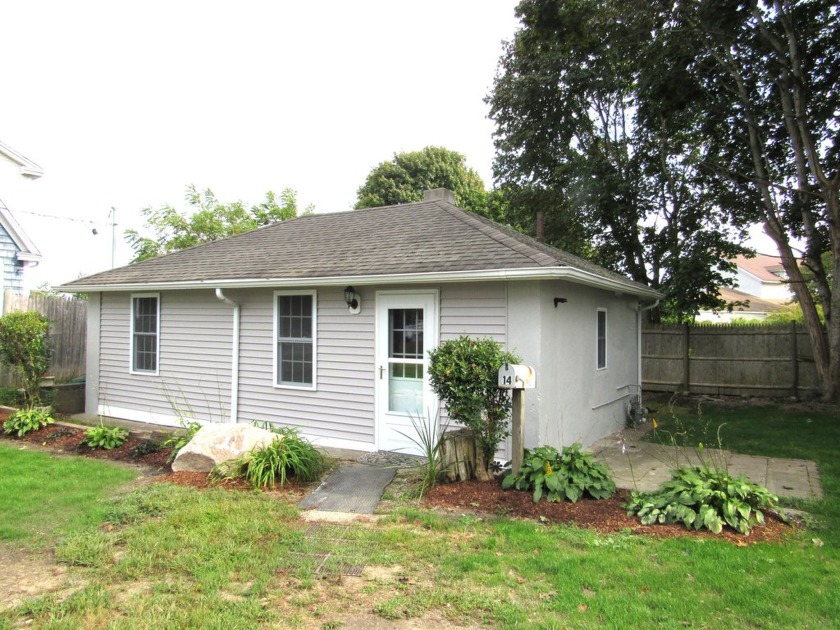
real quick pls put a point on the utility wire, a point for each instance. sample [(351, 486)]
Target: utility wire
[(53, 216)]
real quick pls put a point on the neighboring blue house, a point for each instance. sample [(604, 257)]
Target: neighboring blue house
[(16, 249)]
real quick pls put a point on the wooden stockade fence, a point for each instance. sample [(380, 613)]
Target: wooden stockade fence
[(68, 332), (755, 360)]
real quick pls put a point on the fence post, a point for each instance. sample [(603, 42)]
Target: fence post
[(686, 358), (794, 361)]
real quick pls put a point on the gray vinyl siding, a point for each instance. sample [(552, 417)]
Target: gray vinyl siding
[(194, 359), (342, 405), (195, 346), (477, 310)]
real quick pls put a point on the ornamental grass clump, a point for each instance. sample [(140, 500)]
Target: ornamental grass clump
[(289, 455), (560, 476), (700, 497)]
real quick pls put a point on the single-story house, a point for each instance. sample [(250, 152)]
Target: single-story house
[(324, 322)]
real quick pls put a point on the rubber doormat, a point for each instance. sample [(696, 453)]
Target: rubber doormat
[(356, 489)]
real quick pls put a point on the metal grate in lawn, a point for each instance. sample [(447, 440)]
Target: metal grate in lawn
[(332, 550)]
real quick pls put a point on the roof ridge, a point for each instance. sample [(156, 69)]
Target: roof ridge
[(492, 230)]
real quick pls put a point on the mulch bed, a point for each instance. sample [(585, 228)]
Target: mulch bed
[(473, 497), (606, 515), (63, 439)]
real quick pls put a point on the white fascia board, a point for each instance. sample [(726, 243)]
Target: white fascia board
[(27, 167), (28, 251), (569, 274)]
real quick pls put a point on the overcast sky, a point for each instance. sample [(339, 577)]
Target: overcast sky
[(123, 105)]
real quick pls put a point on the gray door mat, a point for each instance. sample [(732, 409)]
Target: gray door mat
[(355, 489)]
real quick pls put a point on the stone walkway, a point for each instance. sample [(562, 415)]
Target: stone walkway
[(643, 466)]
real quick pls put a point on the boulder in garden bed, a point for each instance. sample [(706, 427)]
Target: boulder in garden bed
[(217, 443)]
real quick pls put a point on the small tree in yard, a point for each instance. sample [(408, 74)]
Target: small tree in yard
[(464, 374), (24, 346)]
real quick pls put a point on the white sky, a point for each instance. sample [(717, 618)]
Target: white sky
[(123, 105)]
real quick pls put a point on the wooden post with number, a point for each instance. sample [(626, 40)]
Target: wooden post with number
[(517, 431), (517, 378)]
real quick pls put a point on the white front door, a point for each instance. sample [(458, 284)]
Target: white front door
[(406, 329)]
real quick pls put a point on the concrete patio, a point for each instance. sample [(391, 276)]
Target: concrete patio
[(640, 465)]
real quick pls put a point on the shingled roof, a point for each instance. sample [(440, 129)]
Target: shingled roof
[(413, 242)]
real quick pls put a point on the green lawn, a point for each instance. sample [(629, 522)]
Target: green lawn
[(43, 496), (177, 557)]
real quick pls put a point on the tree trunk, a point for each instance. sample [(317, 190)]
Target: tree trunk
[(461, 457)]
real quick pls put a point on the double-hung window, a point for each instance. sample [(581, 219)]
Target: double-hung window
[(295, 331), (601, 339), (145, 333)]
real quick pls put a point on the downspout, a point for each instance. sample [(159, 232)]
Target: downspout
[(234, 364), (639, 312)]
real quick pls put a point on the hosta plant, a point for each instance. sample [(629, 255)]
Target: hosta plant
[(105, 437), (704, 498), (287, 456), (27, 420), (558, 476)]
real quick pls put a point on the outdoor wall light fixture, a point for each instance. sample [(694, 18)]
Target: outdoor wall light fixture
[(559, 301), (354, 302)]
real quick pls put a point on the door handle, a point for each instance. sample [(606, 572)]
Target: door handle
[(381, 370)]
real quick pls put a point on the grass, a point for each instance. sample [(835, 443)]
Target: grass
[(179, 557), (42, 496)]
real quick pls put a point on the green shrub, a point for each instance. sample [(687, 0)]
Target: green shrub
[(287, 456), (105, 437), (10, 397), (559, 476), (24, 346), (27, 420), (702, 497), (177, 441), (464, 373), (145, 447)]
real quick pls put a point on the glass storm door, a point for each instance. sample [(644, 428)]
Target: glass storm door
[(406, 330)]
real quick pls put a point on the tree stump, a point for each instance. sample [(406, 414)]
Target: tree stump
[(461, 458)]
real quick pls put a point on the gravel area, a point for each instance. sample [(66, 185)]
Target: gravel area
[(387, 459)]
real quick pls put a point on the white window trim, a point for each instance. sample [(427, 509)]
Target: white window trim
[(274, 329), (598, 311), (131, 369)]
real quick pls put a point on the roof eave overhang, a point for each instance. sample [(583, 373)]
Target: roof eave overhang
[(569, 274)]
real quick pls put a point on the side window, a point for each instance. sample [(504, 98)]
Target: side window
[(145, 334), (295, 315), (601, 340)]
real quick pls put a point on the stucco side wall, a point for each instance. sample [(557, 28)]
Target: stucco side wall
[(194, 360), (573, 401)]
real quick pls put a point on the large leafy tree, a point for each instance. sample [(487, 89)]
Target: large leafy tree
[(571, 147), (766, 74), (208, 219), (732, 113), (404, 178)]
